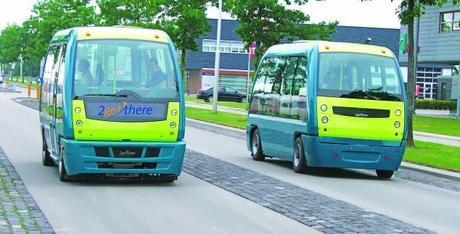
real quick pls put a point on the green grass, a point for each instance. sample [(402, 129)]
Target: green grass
[(242, 105), (444, 126), (434, 155), (227, 119)]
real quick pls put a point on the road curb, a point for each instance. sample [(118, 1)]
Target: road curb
[(406, 165), (432, 171)]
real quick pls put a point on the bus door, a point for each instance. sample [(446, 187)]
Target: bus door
[(56, 89), (48, 99)]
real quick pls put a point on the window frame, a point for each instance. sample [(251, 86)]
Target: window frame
[(452, 21)]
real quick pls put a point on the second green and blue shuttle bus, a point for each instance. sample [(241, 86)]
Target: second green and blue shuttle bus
[(326, 104)]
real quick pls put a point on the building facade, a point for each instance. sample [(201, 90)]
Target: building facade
[(234, 58), (439, 49)]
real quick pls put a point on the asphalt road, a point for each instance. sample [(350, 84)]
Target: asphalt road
[(189, 205)]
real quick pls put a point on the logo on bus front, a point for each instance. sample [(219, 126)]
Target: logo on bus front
[(125, 111)]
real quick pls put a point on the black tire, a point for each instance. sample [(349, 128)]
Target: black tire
[(46, 157), (62, 170), (241, 100), (299, 162), (256, 146), (384, 174)]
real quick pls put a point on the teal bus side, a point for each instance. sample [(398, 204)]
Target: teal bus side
[(320, 151)]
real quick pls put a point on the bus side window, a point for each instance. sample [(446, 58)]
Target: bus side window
[(60, 83), (299, 91), (258, 88), (51, 69), (272, 87), (286, 89)]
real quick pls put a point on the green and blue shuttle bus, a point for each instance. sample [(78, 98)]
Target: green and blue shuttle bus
[(326, 104), (110, 104)]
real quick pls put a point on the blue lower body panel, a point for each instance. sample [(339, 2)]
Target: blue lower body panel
[(328, 152), (150, 158)]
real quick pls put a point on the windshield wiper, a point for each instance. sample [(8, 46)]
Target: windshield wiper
[(100, 95)]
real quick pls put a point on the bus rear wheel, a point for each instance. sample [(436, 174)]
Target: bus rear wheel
[(256, 146), (384, 174), (299, 163)]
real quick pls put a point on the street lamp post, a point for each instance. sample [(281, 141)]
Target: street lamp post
[(217, 60)]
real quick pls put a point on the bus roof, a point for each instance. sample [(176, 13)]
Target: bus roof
[(115, 32), (299, 47)]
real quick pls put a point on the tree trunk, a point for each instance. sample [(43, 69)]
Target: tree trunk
[(182, 69), (411, 78)]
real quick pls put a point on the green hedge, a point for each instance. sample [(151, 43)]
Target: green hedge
[(436, 104)]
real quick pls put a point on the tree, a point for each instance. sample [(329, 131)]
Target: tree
[(52, 16), (139, 13), (185, 21), (10, 49), (267, 22), (407, 12)]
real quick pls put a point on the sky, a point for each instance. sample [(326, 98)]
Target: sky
[(376, 13)]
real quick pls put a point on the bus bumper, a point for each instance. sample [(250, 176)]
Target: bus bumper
[(360, 154), (112, 158)]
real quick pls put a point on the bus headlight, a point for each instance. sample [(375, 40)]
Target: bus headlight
[(77, 110), (172, 125), (174, 112), (398, 112), (397, 124), (79, 122), (323, 108), (324, 119)]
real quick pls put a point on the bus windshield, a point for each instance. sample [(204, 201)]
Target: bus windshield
[(361, 76), (124, 68)]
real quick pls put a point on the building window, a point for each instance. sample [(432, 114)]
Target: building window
[(450, 21), (234, 47), (427, 82)]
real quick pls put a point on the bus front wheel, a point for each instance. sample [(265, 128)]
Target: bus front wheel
[(256, 146), (46, 157), (299, 162), (62, 170), (384, 174)]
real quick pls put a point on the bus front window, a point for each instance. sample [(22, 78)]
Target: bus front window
[(124, 67), (362, 76)]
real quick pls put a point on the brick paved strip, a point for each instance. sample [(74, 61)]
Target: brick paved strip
[(19, 213), (315, 210)]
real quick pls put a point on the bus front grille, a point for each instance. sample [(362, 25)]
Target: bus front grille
[(126, 165)]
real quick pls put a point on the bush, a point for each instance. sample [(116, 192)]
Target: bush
[(436, 104)]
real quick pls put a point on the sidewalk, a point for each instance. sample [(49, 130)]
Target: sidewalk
[(219, 108)]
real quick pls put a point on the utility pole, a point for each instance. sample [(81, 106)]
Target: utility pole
[(20, 68), (217, 61)]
